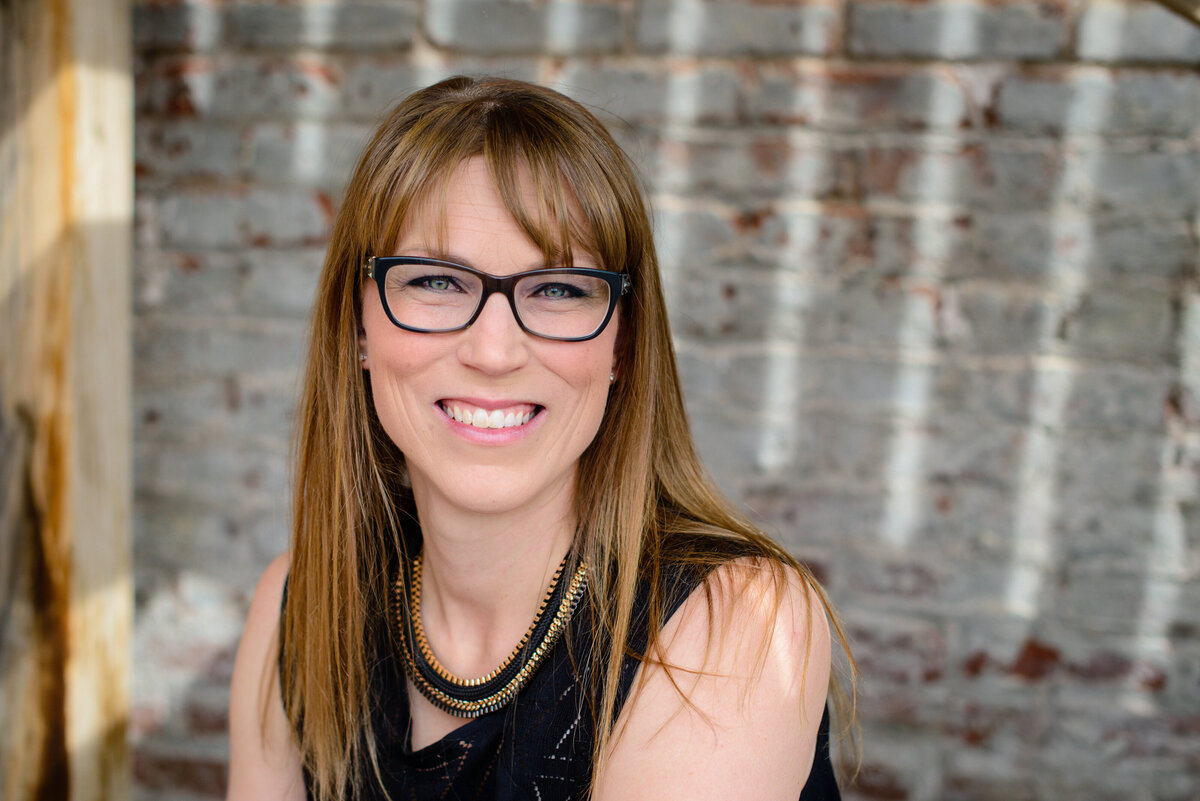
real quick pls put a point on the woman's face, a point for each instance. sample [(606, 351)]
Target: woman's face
[(550, 395)]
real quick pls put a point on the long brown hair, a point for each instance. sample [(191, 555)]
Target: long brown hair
[(639, 482)]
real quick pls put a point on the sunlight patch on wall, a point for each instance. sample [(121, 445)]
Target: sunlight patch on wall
[(915, 341), (1037, 486)]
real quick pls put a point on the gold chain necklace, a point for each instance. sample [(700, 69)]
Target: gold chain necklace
[(469, 698)]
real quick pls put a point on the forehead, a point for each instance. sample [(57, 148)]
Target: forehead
[(471, 204)]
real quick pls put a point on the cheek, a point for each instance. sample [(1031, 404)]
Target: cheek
[(594, 370)]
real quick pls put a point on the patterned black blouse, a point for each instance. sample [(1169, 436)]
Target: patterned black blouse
[(539, 747)]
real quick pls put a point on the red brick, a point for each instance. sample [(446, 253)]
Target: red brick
[(204, 777)]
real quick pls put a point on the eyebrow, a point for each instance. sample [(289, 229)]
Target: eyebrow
[(427, 252)]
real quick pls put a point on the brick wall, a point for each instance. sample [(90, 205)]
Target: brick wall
[(935, 282)]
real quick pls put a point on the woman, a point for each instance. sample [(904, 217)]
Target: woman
[(492, 433)]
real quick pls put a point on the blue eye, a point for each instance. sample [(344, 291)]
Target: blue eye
[(435, 283), (560, 291)]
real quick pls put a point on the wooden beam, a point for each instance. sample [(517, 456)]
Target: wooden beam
[(65, 444), (1188, 9)]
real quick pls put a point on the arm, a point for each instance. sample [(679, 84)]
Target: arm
[(756, 689), (264, 760)]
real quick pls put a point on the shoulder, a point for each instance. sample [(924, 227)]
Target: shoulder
[(264, 760), (733, 697), (753, 617), (267, 602), (262, 621)]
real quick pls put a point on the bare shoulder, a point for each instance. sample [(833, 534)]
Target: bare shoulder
[(267, 602), (736, 712), (264, 760), (757, 601)]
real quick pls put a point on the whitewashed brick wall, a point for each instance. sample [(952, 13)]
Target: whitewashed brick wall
[(935, 280)]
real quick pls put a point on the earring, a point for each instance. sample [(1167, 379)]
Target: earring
[(611, 376), (362, 357)]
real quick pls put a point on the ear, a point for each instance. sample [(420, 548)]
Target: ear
[(363, 361)]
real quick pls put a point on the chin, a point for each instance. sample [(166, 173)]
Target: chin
[(500, 490)]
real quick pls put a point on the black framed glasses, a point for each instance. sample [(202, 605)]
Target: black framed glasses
[(430, 296)]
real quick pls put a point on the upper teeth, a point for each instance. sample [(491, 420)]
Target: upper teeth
[(480, 418)]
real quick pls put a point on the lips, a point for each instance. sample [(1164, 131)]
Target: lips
[(511, 416)]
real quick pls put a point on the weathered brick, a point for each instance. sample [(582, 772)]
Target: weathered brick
[(982, 393), (804, 516), (242, 87), (1104, 602), (1136, 181), (722, 28), (890, 773), (848, 242), (821, 445), (1001, 721), (249, 405), (374, 83), (180, 348), (206, 218), (858, 97), (360, 25), (219, 471), (177, 533), (494, 27), (839, 448), (1134, 250), (960, 450), (279, 282), (1137, 31), (894, 317), (730, 444), (1093, 100), (202, 282), (172, 149), (254, 282), (205, 777), (1114, 536), (201, 218), (1113, 468), (1018, 246), (1118, 398), (689, 239), (750, 166), (735, 305), (641, 97), (991, 319), (995, 175), (1070, 247), (906, 652), (187, 26), (286, 218), (1133, 326), (308, 153), (855, 383), (957, 30)]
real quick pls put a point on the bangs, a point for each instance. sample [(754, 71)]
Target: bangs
[(570, 208), (557, 222)]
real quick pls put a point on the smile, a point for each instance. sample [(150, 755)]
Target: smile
[(508, 417)]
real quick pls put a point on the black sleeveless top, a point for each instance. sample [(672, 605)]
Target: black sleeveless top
[(539, 747)]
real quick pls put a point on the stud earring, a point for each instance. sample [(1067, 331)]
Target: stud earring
[(611, 376), (362, 357)]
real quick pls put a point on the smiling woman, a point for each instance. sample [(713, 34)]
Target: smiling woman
[(510, 577)]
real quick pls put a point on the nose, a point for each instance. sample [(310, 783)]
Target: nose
[(494, 343)]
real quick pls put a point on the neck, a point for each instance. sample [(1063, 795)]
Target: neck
[(484, 575)]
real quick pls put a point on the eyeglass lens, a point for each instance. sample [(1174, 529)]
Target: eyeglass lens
[(441, 298)]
